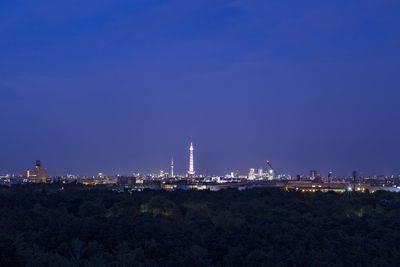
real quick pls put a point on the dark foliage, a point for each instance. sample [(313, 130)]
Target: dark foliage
[(42, 225)]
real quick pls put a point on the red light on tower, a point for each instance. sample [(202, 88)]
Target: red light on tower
[(267, 161)]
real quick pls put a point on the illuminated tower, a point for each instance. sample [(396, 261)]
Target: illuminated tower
[(172, 167), (191, 168)]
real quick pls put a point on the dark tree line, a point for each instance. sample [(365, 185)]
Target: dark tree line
[(42, 225)]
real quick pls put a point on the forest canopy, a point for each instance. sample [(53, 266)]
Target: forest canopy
[(76, 225)]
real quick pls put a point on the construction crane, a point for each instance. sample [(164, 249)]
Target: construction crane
[(272, 171)]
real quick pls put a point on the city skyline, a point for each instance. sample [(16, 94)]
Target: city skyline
[(121, 86), (189, 170)]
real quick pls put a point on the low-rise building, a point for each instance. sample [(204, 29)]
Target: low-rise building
[(126, 180)]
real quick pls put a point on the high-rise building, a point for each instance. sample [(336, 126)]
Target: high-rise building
[(191, 171), (354, 175), (313, 174), (37, 175), (251, 175), (172, 167), (329, 177)]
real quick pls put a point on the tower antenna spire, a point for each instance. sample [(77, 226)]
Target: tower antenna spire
[(172, 167), (191, 171)]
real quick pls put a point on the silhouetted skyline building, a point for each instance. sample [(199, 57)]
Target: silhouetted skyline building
[(126, 180)]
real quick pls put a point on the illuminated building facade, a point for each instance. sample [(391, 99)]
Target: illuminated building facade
[(313, 174), (251, 175), (37, 175)]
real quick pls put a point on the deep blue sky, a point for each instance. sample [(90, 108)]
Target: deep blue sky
[(121, 86)]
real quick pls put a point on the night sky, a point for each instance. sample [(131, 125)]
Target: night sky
[(118, 86)]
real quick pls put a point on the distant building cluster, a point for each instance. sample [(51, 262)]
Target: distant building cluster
[(266, 176)]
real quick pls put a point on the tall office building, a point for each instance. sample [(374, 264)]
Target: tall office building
[(191, 165), (37, 175)]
